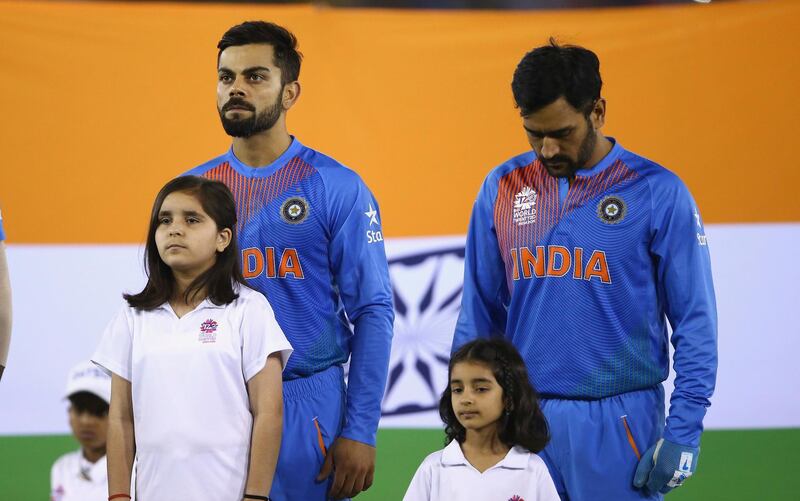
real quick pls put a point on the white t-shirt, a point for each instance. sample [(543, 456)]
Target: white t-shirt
[(446, 475), (191, 411), (74, 478)]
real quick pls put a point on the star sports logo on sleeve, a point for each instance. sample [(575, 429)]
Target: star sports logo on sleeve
[(373, 236), (701, 237)]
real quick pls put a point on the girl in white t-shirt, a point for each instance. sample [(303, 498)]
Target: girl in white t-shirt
[(494, 427), (196, 360)]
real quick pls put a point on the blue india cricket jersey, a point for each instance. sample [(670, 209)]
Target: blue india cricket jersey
[(584, 278), (310, 236)]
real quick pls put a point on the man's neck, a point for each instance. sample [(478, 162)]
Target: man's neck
[(263, 148), (601, 149)]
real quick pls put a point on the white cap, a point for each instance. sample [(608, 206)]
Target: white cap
[(87, 376)]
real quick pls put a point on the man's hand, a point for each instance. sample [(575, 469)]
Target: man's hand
[(665, 466), (353, 467)]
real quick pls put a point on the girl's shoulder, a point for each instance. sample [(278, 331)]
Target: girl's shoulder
[(534, 461), (248, 296), (433, 459)]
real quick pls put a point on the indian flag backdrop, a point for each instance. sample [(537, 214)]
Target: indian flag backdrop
[(104, 102)]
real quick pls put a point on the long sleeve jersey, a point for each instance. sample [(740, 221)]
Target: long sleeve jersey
[(310, 238), (583, 279)]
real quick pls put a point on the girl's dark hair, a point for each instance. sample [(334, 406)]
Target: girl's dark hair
[(217, 201), (283, 42), (84, 401), (552, 71), (523, 423)]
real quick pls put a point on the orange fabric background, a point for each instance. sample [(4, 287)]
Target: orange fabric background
[(103, 102)]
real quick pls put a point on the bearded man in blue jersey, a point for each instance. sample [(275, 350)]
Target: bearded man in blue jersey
[(311, 241), (581, 253)]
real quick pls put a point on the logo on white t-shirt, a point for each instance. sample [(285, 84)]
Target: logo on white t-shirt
[(208, 331)]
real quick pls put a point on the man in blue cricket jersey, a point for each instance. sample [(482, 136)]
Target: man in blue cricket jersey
[(580, 252), (311, 240)]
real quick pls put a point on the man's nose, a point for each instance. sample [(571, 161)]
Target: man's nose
[(237, 89), (549, 147)]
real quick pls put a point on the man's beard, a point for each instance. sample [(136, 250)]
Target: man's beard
[(257, 122), (584, 153)]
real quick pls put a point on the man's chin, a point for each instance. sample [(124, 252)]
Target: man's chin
[(560, 171), (238, 128)]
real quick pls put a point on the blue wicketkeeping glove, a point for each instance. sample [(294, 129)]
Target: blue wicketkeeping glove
[(665, 466)]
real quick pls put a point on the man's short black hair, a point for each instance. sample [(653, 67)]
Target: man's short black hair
[(283, 42), (551, 71), (84, 401)]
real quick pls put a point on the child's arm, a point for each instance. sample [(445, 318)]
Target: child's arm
[(121, 446), (266, 404)]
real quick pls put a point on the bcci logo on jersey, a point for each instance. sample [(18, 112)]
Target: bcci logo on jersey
[(525, 206)]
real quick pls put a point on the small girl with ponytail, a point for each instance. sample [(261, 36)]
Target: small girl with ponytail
[(494, 429)]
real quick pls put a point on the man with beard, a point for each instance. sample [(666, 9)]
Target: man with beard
[(311, 241), (580, 252)]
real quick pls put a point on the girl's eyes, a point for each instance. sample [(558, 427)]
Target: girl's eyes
[(164, 220), (457, 390)]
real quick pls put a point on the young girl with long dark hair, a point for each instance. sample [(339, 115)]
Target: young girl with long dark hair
[(494, 429), (196, 360)]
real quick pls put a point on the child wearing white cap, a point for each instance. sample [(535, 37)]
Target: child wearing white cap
[(81, 475)]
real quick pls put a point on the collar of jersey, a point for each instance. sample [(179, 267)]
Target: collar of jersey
[(603, 164), (97, 470), (265, 170), (205, 303), (516, 459)]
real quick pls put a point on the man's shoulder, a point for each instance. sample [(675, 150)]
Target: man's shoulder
[(206, 166), (647, 168), (492, 180), (516, 162), (327, 166)]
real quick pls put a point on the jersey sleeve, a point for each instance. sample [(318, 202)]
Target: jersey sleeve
[(261, 336), (116, 345), (361, 274), (420, 487), (679, 246), (485, 298)]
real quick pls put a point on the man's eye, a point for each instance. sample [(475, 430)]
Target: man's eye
[(256, 77), (225, 78)]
